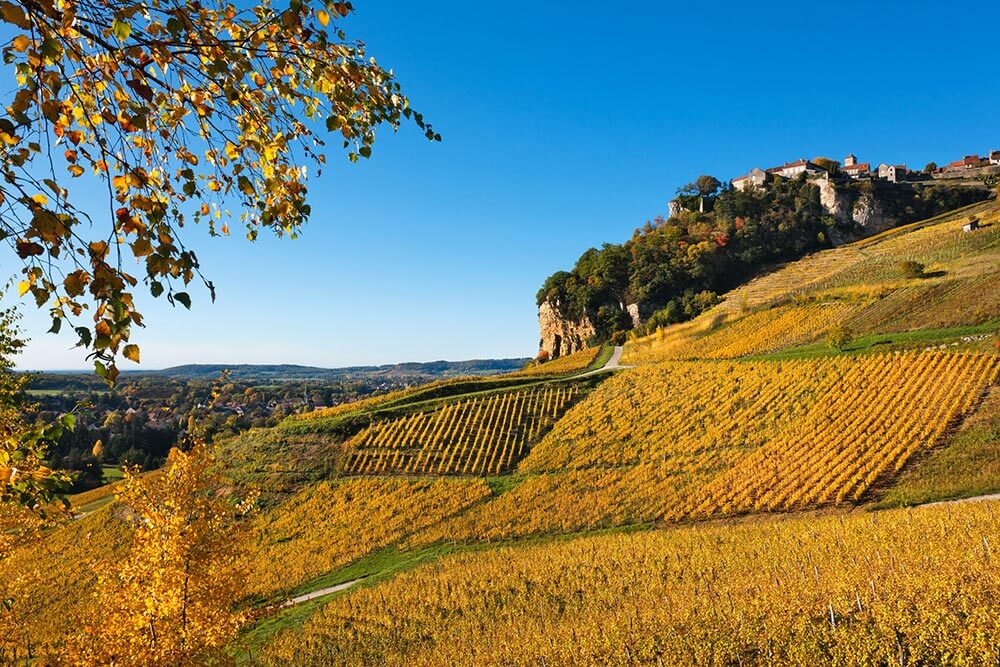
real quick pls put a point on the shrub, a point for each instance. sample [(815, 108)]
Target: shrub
[(839, 337), (665, 316), (911, 269)]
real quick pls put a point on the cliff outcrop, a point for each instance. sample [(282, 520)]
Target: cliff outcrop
[(561, 336), (856, 213)]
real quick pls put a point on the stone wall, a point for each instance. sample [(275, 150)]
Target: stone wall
[(975, 172), (560, 337)]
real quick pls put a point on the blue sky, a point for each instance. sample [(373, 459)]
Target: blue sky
[(565, 125)]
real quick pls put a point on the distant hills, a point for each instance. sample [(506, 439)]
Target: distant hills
[(284, 372)]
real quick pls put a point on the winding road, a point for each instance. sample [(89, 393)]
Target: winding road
[(614, 363)]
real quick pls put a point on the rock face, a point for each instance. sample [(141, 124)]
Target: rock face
[(864, 212), (559, 336), (633, 313), (869, 215), (835, 202)]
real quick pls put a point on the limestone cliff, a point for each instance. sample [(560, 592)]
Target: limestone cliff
[(560, 336), (856, 213), (869, 214)]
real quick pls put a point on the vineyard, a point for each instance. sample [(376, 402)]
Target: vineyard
[(571, 363), (577, 500), (53, 581), (330, 524), (757, 333), (903, 587), (875, 259), (685, 440), (478, 436), (410, 394), (942, 304), (838, 452)]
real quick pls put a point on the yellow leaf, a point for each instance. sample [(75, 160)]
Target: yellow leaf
[(23, 287), (13, 14), (40, 199), (131, 353), (20, 43), (76, 170), (323, 17)]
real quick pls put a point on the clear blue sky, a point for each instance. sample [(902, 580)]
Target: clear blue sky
[(565, 125)]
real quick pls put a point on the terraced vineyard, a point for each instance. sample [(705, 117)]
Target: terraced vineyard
[(883, 410), (478, 436), (703, 439), (941, 304), (331, 523), (757, 333)]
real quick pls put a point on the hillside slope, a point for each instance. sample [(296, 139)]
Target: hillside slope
[(685, 437), (740, 416)]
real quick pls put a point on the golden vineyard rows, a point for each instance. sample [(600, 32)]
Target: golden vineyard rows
[(942, 304), (479, 436), (577, 361), (757, 333), (330, 524), (685, 440), (881, 412), (52, 582), (905, 587)]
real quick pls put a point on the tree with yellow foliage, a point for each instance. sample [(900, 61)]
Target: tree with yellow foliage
[(27, 486), (177, 112), (173, 601)]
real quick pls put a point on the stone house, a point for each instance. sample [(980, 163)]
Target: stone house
[(968, 162), (851, 160), (756, 178), (855, 170), (793, 169), (994, 157), (894, 173)]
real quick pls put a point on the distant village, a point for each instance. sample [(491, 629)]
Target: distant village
[(970, 166)]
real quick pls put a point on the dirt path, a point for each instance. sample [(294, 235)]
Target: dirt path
[(973, 499), (613, 363), (312, 595)]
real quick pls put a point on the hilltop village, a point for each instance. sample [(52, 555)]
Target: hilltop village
[(970, 166)]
